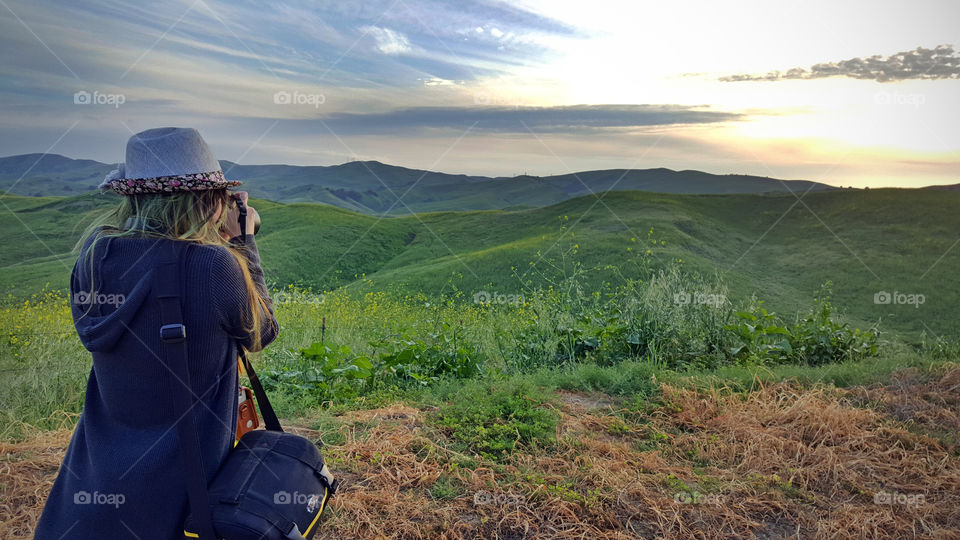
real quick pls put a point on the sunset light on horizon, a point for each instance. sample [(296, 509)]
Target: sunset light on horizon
[(857, 94)]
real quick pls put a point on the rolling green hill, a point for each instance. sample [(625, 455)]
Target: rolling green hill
[(771, 246), (376, 188)]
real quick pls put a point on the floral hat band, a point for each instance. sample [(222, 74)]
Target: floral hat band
[(166, 184), (167, 160)]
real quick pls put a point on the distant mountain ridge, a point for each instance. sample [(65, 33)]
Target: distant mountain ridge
[(944, 187), (373, 187)]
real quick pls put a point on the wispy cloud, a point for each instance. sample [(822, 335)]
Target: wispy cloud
[(941, 62), (388, 41)]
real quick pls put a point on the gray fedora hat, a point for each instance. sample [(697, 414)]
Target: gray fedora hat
[(167, 160)]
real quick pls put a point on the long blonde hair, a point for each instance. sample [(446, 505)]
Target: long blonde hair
[(185, 216)]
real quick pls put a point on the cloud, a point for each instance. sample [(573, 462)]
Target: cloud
[(436, 81), (561, 119), (941, 62), (388, 41)]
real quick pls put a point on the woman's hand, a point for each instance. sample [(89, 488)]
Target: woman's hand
[(231, 227)]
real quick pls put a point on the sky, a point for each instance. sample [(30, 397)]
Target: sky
[(853, 93)]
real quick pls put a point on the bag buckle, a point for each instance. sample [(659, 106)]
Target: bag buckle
[(173, 333), (328, 479)]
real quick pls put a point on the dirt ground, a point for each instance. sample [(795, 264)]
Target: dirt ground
[(780, 462)]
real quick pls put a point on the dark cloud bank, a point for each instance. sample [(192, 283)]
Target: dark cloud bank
[(941, 62), (570, 119)]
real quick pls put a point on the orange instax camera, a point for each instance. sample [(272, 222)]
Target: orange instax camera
[(247, 419)]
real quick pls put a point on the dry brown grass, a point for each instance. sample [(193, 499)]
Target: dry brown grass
[(778, 463), (27, 471), (829, 460)]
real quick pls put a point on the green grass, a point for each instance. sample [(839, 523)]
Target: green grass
[(400, 283), (626, 379), (446, 488), (43, 365), (846, 374), (770, 246), (493, 419), (45, 369)]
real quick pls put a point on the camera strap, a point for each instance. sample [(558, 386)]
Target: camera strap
[(173, 334), (242, 209)]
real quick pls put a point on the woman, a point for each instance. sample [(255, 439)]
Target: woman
[(122, 475)]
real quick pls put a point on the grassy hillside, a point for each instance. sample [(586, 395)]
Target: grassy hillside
[(377, 188), (50, 174), (771, 246)]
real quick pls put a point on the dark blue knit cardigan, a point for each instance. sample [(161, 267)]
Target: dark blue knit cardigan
[(122, 474)]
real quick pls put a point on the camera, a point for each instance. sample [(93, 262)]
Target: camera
[(242, 218)]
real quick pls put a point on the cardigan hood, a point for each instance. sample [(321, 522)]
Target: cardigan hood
[(105, 317)]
